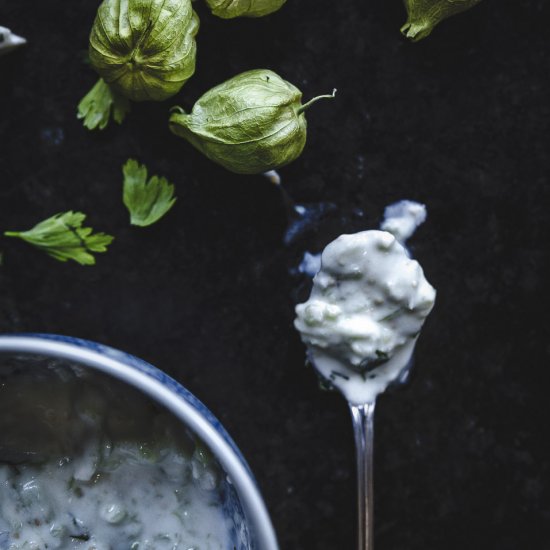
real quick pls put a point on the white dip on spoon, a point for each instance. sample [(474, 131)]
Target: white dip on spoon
[(402, 218), (366, 309)]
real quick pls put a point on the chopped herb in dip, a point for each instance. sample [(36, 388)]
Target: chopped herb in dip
[(86, 463)]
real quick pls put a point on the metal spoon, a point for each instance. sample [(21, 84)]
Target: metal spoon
[(362, 417), (363, 430)]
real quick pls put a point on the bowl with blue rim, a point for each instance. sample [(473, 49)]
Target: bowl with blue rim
[(44, 356)]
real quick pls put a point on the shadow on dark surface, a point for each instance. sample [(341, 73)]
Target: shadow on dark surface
[(458, 122)]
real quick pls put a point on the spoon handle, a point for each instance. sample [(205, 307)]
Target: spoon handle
[(363, 429)]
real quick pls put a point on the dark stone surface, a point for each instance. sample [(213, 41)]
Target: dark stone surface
[(459, 122)]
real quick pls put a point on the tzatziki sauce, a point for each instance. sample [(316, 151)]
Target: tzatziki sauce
[(402, 218), (365, 312), (90, 465)]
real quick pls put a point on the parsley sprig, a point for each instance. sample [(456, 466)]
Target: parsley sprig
[(63, 238), (99, 104), (147, 201)]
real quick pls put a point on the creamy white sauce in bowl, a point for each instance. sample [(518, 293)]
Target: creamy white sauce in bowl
[(365, 312), (107, 469), (90, 462)]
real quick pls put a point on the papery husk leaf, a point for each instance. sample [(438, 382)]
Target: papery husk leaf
[(425, 15), (228, 9), (249, 124), (144, 49)]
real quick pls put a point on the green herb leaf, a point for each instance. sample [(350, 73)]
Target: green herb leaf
[(63, 238), (99, 104), (147, 201), (394, 315)]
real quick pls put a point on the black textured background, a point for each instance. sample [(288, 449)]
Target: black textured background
[(458, 122)]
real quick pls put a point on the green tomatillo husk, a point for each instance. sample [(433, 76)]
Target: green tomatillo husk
[(144, 49), (227, 9), (425, 15), (250, 124)]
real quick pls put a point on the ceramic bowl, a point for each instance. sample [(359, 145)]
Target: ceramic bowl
[(242, 503)]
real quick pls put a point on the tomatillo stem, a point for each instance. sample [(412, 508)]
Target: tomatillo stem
[(314, 100)]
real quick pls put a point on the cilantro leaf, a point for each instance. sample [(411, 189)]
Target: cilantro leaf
[(99, 104), (63, 238), (147, 201)]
